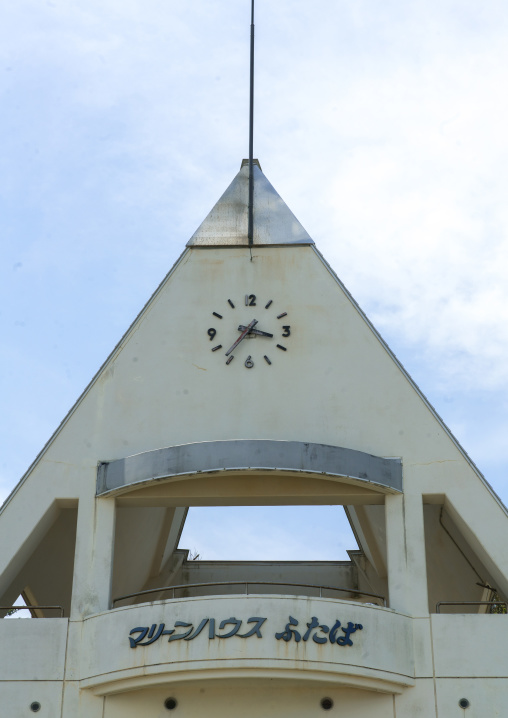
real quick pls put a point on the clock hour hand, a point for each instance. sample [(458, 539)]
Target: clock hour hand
[(258, 332), (242, 336)]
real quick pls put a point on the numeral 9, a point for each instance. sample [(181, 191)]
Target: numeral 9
[(211, 333)]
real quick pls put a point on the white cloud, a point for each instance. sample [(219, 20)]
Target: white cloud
[(383, 126)]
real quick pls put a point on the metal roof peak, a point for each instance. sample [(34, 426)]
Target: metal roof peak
[(227, 224), (254, 162)]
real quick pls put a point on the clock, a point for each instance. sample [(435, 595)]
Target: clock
[(250, 330)]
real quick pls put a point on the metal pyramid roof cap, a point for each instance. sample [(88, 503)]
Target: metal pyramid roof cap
[(226, 224)]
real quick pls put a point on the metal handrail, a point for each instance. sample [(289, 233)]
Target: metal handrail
[(470, 603), (246, 584), (20, 608)]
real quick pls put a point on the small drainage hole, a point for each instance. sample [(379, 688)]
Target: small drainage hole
[(326, 704), (35, 706), (464, 703), (170, 704)]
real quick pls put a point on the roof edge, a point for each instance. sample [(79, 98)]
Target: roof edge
[(415, 386), (90, 384)]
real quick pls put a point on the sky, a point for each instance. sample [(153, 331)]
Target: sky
[(382, 126)]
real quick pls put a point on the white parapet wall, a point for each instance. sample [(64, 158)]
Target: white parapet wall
[(253, 649), (370, 647)]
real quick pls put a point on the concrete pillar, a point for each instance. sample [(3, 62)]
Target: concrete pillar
[(396, 552), (93, 564), (405, 546), (418, 592)]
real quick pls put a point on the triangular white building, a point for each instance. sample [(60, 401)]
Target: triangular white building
[(251, 377)]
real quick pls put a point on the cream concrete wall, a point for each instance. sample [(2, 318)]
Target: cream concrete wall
[(25, 521), (399, 667), (32, 666), (164, 369), (33, 649), (319, 573), (487, 697), (136, 538), (459, 641), (17, 696), (336, 384), (250, 699), (454, 571), (48, 571), (381, 656)]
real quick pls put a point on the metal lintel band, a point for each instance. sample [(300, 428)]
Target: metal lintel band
[(213, 456)]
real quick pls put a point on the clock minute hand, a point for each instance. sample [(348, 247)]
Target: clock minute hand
[(258, 332), (242, 336)]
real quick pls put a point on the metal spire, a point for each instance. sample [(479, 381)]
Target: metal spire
[(250, 228)]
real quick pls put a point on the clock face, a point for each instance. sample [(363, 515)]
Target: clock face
[(251, 330)]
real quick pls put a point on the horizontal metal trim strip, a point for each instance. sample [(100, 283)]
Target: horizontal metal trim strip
[(249, 455)]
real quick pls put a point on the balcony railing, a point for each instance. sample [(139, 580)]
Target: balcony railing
[(34, 608), (471, 603)]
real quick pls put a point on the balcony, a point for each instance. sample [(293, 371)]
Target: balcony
[(250, 634)]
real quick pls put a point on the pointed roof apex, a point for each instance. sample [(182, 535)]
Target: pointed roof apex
[(226, 225)]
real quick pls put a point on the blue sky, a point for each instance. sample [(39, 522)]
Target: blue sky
[(383, 126)]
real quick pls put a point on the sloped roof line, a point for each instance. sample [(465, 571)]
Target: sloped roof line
[(91, 383), (411, 381)]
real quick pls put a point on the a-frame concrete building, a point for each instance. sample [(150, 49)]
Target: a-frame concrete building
[(252, 378)]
